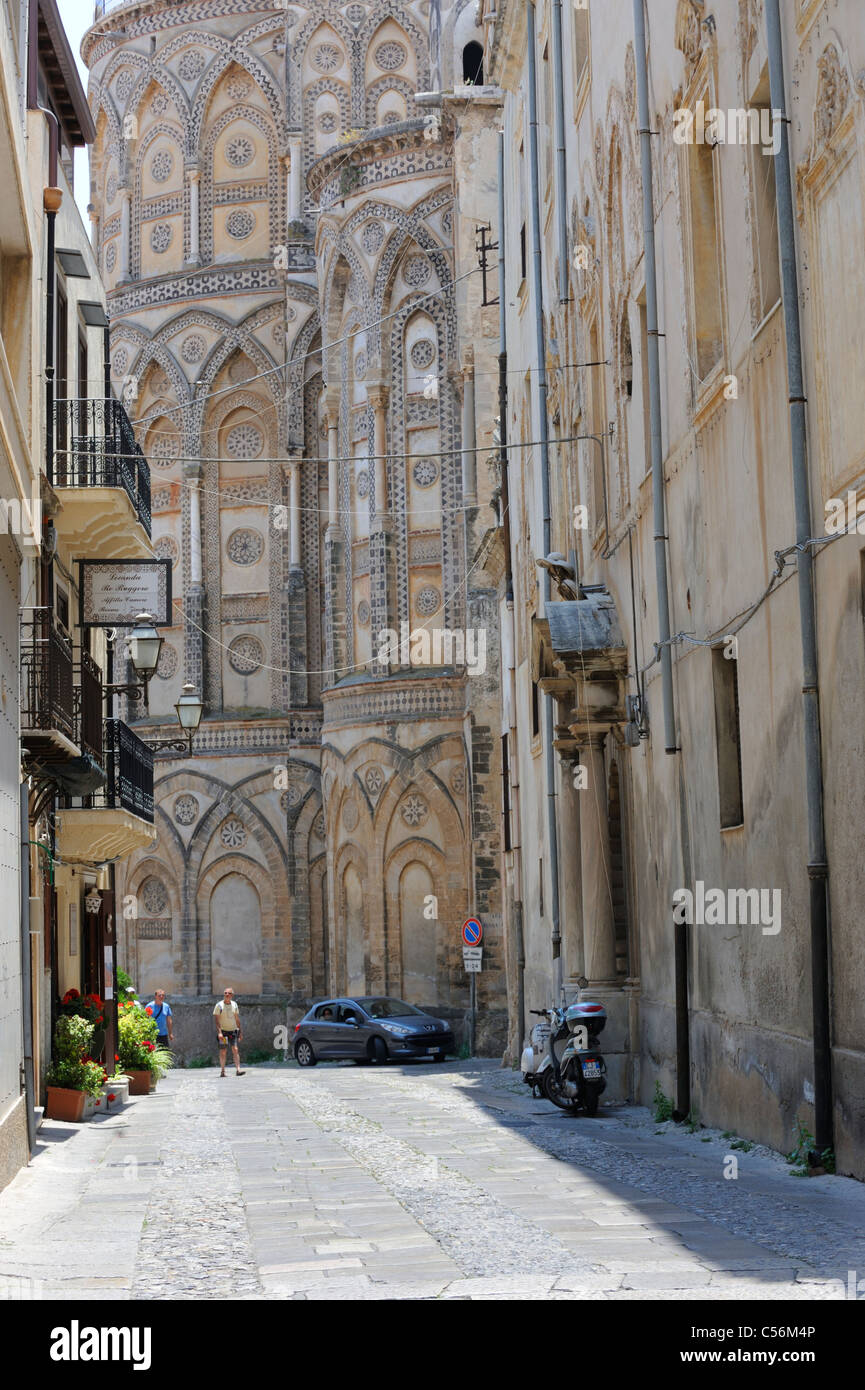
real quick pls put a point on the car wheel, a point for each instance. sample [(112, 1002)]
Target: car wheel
[(304, 1055), (378, 1051)]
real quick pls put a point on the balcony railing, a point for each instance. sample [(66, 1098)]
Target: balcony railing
[(95, 446), (88, 703), (129, 763), (47, 686)]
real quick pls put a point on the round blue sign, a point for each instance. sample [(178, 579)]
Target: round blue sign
[(473, 932)]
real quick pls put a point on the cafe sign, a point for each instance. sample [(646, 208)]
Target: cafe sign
[(114, 592)]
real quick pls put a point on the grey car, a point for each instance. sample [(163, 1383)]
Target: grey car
[(369, 1029)]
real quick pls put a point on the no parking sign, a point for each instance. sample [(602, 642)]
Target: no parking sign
[(473, 932)]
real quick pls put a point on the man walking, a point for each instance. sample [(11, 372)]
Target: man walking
[(229, 1032), (162, 1013)]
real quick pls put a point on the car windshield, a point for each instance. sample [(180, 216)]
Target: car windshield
[(387, 1008)]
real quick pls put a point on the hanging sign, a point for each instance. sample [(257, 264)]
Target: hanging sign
[(113, 592)]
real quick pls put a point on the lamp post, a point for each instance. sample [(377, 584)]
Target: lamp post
[(189, 711), (145, 645)]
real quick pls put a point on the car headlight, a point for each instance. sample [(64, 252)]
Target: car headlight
[(396, 1028)]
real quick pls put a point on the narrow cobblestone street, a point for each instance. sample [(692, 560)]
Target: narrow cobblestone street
[(413, 1183)]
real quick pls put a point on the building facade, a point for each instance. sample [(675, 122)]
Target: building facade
[(655, 799), (273, 200)]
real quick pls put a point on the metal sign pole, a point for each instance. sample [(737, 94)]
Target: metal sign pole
[(473, 998)]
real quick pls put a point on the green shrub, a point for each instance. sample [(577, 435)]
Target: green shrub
[(662, 1106), (260, 1054), (199, 1062), (72, 1068)]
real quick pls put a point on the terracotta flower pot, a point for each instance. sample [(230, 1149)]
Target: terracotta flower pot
[(139, 1082), (64, 1104)]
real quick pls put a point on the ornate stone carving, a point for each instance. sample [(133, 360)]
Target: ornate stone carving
[(191, 65), (372, 237), (414, 810), (167, 662), (238, 86), (362, 483), (244, 441), (161, 166), (166, 549), (416, 271), (240, 224), (240, 151), (833, 95), (363, 613), (423, 353), (153, 897), (425, 472), (233, 833), (120, 361), (245, 654), (360, 366), (390, 56), (193, 348), (245, 546), (458, 781), (327, 57), (186, 809), (690, 32), (161, 237), (374, 780), (350, 813), (427, 601)]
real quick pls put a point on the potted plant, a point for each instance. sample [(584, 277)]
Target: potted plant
[(73, 1075), (91, 1008), (138, 1056)]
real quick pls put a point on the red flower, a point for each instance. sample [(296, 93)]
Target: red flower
[(111, 1095), (149, 1011), (117, 1056)]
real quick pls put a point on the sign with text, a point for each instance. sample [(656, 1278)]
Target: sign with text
[(114, 592)]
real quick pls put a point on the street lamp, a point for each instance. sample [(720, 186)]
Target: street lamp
[(189, 711), (145, 644), (93, 902)]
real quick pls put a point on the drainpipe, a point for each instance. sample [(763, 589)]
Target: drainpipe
[(26, 971), (680, 929), (52, 197), (561, 164), (818, 867), (543, 422), (645, 134), (508, 643)]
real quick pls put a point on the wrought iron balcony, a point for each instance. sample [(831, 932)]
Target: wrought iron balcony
[(129, 763), (47, 687), (88, 708), (95, 447)]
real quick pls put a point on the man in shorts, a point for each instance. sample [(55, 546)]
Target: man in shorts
[(229, 1032)]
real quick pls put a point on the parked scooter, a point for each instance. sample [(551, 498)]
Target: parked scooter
[(562, 1061)]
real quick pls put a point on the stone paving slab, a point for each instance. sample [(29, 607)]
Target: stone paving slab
[(404, 1183)]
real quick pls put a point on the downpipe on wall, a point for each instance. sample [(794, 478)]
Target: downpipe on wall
[(541, 374), (818, 866), (680, 930)]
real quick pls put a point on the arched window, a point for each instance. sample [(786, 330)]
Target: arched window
[(473, 64)]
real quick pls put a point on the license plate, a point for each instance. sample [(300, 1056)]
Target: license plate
[(591, 1071), (433, 1049)]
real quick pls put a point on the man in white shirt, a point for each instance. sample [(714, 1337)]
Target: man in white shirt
[(229, 1032)]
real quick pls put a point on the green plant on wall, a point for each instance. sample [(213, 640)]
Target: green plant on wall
[(662, 1106)]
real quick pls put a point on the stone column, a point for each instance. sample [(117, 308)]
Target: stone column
[(295, 191), (94, 228), (376, 395), (570, 804), (599, 932), (193, 603), (294, 547), (125, 240), (334, 604), (294, 619), (382, 600), (194, 177)]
